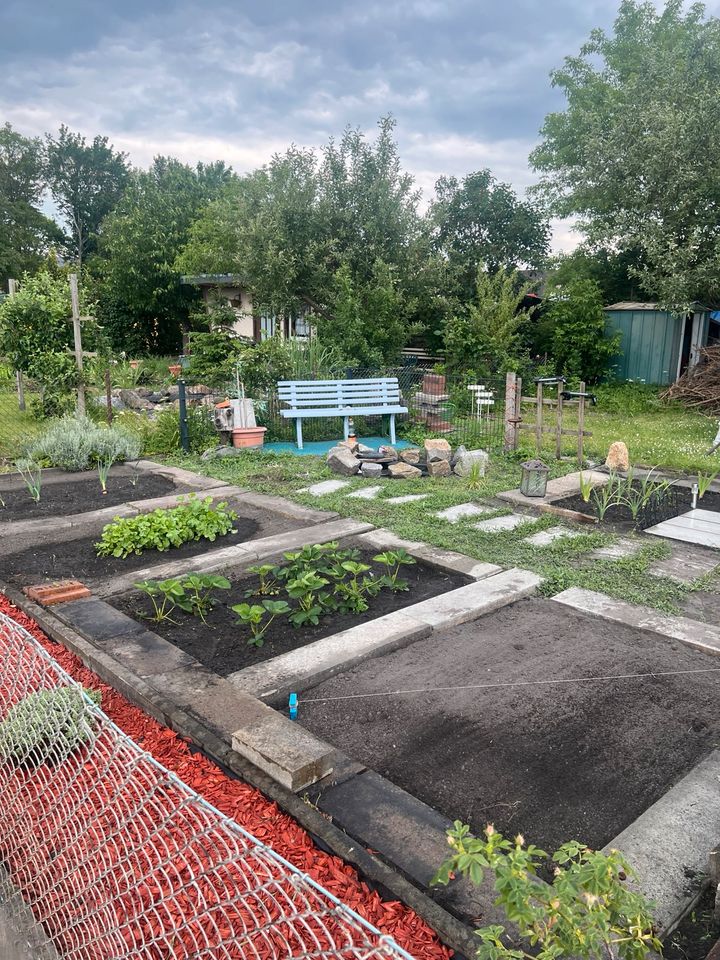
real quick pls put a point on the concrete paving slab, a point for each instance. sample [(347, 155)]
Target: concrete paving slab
[(693, 633), (498, 524), (670, 843), (381, 539), (462, 510), (556, 489), (476, 599), (97, 620), (458, 562), (685, 564), (325, 487), (696, 526), (408, 498), (545, 537), (367, 493), (617, 551)]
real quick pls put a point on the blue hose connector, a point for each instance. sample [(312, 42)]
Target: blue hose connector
[(293, 705)]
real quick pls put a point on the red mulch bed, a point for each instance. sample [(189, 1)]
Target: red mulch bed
[(247, 806)]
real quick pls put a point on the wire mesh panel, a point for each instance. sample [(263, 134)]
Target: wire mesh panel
[(117, 858)]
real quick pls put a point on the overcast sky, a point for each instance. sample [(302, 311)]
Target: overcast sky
[(467, 80)]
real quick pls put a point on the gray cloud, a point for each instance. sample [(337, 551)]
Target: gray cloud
[(467, 80)]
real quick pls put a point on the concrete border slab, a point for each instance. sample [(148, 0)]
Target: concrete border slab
[(557, 489), (693, 633)]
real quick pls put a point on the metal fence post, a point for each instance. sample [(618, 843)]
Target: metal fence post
[(182, 413)]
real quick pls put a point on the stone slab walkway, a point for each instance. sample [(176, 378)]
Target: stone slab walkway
[(545, 537), (617, 551), (695, 526), (499, 524), (325, 486), (462, 510)]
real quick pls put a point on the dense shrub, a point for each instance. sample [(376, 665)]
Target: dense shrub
[(47, 726), (76, 443)]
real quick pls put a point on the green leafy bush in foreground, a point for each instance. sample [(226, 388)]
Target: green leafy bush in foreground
[(587, 912), (47, 726), (76, 443), (192, 519)]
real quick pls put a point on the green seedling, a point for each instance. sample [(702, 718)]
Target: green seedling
[(311, 604), (267, 574), (704, 480), (134, 473), (393, 560), (165, 596), (352, 592), (199, 589), (586, 487), (475, 478), (103, 465), (606, 496), (31, 472), (259, 616)]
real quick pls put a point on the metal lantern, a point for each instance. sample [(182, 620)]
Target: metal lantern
[(534, 478)]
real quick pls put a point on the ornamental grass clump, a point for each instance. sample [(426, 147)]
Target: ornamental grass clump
[(77, 443), (48, 726), (192, 519)]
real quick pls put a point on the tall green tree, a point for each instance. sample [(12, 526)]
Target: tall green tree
[(636, 152), (479, 222), (142, 303), (25, 232), (86, 181), (615, 272)]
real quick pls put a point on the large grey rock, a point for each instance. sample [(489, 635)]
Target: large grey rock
[(388, 451), (220, 452), (437, 450), (368, 469), (411, 455), (134, 400), (465, 462), (342, 461), (404, 471)]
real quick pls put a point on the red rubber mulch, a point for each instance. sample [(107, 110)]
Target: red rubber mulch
[(247, 806)]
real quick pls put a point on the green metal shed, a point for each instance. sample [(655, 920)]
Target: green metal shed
[(656, 345)]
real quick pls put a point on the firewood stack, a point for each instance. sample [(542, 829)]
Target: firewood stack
[(699, 386)]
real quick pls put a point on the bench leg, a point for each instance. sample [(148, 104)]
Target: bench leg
[(298, 432), (346, 427), (392, 429)]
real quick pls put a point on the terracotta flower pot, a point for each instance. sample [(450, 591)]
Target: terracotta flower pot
[(175, 369), (248, 436), (134, 364)]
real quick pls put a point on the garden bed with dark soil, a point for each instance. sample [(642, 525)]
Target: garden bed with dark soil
[(222, 645), (620, 518), (77, 559), (553, 760), (697, 932), (60, 498)]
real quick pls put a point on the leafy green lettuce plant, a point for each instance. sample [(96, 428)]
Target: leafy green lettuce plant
[(587, 912)]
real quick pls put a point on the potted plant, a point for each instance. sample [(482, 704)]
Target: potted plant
[(245, 432)]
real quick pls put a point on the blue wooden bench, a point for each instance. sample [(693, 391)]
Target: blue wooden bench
[(341, 398)]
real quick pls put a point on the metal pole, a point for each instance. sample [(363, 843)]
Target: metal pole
[(108, 395), (539, 420), (559, 424), (77, 334), (12, 290), (182, 413), (581, 422)]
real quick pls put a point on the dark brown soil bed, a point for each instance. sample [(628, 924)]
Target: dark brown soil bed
[(553, 761), (620, 518), (77, 559), (697, 933), (81, 494), (222, 643)]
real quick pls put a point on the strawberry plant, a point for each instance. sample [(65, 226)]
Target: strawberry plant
[(267, 574), (165, 596), (192, 519), (587, 911), (392, 560), (311, 602), (192, 593), (259, 616)]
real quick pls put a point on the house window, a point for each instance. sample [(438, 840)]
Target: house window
[(302, 325), (267, 327)]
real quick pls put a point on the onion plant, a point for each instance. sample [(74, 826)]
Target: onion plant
[(104, 464), (31, 472), (704, 480)]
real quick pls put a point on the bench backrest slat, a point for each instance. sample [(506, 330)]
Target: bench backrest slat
[(307, 394)]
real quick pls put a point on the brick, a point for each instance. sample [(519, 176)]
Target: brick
[(60, 592)]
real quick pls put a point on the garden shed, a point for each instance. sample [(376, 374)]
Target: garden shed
[(656, 345)]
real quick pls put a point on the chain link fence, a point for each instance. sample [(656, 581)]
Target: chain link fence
[(117, 858)]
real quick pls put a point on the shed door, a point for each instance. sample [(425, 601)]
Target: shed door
[(687, 342)]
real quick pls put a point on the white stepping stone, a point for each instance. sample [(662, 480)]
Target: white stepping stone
[(326, 486), (617, 551), (497, 524), (462, 510), (684, 565), (408, 498), (545, 537), (696, 526), (367, 493)]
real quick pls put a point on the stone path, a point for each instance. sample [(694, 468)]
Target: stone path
[(685, 564), (617, 551), (462, 510), (408, 498), (367, 493), (498, 524), (545, 537), (695, 526), (325, 486)]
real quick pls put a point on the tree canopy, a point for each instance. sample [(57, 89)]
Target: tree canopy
[(636, 152)]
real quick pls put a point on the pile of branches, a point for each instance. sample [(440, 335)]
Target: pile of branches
[(699, 386)]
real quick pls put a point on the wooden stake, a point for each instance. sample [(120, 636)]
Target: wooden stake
[(511, 397), (77, 334), (559, 422), (12, 290), (539, 420), (108, 395), (581, 422)]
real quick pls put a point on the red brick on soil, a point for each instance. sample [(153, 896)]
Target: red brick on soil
[(248, 807), (60, 592)]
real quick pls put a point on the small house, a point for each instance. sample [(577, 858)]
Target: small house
[(656, 345), (229, 288)]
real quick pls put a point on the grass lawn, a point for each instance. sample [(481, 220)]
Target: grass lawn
[(559, 564), (16, 427)]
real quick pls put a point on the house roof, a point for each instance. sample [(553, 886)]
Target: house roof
[(213, 280), (633, 305)]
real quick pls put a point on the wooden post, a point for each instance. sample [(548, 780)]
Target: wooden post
[(77, 334), (108, 395), (559, 424), (581, 422), (511, 407), (12, 290), (539, 420)]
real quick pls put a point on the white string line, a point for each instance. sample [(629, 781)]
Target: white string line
[(512, 683)]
